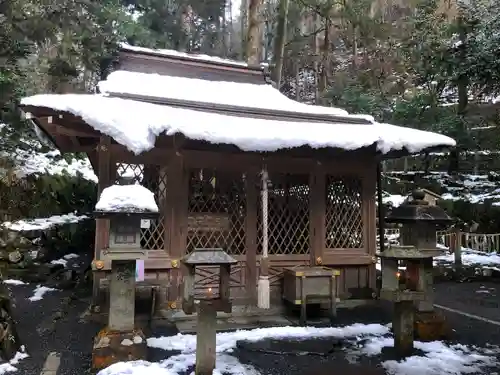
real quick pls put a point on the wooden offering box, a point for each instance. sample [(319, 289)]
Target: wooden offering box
[(303, 285)]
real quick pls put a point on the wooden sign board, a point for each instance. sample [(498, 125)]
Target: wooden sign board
[(208, 222)]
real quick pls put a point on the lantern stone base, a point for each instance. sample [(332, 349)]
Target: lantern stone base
[(431, 326), (116, 346)]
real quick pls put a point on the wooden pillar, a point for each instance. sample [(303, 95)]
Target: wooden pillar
[(369, 182), (104, 180), (104, 173), (177, 221), (252, 206), (456, 247), (317, 212)]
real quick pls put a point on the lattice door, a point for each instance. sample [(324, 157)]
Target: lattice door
[(151, 177), (216, 219), (288, 215), (344, 213), (288, 221)]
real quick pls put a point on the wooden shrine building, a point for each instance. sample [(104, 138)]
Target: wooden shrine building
[(198, 131)]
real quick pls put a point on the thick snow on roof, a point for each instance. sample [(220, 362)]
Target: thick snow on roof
[(244, 95), (190, 56), (136, 124), (126, 198)]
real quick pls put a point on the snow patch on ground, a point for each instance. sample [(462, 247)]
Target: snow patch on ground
[(43, 223), (14, 282), (40, 291), (64, 260), (438, 359), (471, 257), (226, 342), (8, 366)]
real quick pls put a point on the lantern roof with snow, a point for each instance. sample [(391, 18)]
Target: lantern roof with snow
[(126, 200), (418, 210)]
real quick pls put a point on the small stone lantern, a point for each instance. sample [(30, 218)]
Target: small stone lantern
[(207, 304), (419, 222), (124, 235), (121, 340)]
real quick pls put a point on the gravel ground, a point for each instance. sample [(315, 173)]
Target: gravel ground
[(53, 325)]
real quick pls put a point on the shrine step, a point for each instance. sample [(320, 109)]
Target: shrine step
[(235, 323)]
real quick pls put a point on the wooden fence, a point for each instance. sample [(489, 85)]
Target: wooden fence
[(489, 243)]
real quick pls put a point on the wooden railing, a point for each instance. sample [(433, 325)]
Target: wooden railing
[(489, 243)]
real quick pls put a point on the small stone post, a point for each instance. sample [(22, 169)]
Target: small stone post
[(403, 298), (205, 338), (122, 296), (402, 326)]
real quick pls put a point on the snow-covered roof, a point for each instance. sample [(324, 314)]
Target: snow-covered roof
[(136, 125), (242, 95), (186, 56), (126, 198), (134, 108)]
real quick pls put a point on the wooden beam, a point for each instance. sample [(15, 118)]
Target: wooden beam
[(70, 131)]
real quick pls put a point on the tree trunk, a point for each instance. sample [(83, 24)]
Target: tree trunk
[(463, 100), (325, 50), (316, 64), (279, 41), (243, 28), (253, 32)]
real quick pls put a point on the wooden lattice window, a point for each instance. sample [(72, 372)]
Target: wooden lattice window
[(151, 177), (216, 217), (288, 214), (344, 213)]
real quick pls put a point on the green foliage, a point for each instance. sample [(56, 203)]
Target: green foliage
[(182, 25), (46, 195), (486, 215)]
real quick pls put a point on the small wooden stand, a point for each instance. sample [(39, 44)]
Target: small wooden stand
[(303, 285)]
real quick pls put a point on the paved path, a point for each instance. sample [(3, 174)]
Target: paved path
[(478, 298)]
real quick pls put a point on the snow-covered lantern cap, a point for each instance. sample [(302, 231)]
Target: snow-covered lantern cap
[(419, 222), (125, 206), (219, 297)]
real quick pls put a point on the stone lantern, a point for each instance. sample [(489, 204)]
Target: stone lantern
[(121, 340), (206, 304), (419, 222)]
